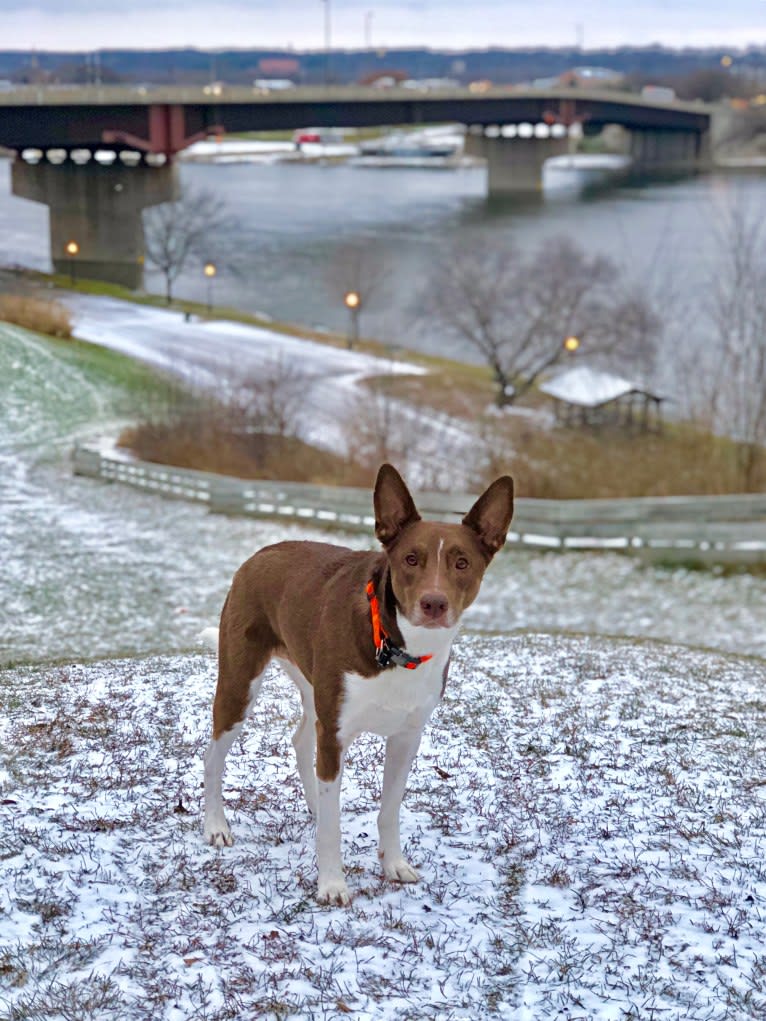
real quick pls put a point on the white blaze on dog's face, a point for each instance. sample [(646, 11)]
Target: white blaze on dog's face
[(436, 569)]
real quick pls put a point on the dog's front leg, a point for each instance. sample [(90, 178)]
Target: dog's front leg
[(332, 887), (401, 750)]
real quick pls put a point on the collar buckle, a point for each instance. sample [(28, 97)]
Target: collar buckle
[(384, 653), (387, 654)]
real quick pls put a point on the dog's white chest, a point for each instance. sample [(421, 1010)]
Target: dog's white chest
[(397, 699), (393, 701)]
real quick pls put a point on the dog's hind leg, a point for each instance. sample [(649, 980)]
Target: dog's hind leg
[(239, 682), (304, 738), (217, 830)]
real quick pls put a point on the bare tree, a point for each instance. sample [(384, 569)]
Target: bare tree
[(271, 400), (738, 311), (184, 233), (433, 448), (245, 421), (376, 429), (516, 309)]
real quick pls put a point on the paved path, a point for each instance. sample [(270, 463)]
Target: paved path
[(334, 407)]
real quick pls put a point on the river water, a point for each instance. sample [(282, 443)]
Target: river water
[(294, 222)]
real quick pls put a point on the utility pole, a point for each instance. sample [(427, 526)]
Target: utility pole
[(368, 29), (327, 41)]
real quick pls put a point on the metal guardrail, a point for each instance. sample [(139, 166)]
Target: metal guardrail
[(704, 529)]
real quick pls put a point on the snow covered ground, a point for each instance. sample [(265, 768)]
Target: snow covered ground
[(218, 353), (588, 810), (215, 353), (589, 818)]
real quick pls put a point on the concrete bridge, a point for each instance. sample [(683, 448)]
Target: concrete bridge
[(97, 156)]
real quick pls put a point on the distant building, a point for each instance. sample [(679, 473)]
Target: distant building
[(582, 77), (661, 93), (279, 67), (384, 79), (590, 397)]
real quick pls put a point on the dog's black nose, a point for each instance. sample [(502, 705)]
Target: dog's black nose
[(434, 604)]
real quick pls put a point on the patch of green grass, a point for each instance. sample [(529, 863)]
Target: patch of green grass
[(72, 384), (102, 366), (105, 367)]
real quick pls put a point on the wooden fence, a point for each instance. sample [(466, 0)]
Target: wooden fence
[(703, 529)]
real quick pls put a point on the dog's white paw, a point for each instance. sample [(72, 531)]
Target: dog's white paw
[(219, 834), (333, 892), (400, 870)]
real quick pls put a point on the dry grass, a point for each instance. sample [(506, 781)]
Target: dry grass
[(194, 441), (39, 314), (581, 463), (567, 463), (463, 391), (556, 464)]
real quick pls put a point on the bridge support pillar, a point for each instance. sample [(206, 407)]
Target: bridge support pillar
[(658, 151), (515, 165), (100, 208)]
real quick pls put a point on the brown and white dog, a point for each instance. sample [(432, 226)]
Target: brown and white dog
[(366, 638)]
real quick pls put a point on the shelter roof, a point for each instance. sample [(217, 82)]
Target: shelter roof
[(590, 388)]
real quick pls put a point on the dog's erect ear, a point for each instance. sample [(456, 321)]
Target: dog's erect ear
[(394, 507), (490, 517)]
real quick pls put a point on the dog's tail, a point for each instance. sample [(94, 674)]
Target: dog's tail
[(209, 636)]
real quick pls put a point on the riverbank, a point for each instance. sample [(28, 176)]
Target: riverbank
[(435, 417), (293, 223), (380, 402)]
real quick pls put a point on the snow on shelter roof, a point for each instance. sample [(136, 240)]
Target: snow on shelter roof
[(589, 387)]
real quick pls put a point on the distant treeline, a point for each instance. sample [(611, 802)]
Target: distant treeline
[(192, 66)]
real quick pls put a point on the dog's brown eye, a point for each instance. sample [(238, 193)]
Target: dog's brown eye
[(411, 559), (461, 563)]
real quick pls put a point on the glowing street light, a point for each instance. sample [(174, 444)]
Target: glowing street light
[(571, 344), (72, 249), (353, 303), (210, 271)]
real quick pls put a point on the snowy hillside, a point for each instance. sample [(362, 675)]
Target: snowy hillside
[(587, 815), (588, 811)]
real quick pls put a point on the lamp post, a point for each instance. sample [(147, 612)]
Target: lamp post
[(210, 272), (571, 343), (353, 303), (72, 249)]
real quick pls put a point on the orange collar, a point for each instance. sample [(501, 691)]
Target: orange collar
[(386, 653)]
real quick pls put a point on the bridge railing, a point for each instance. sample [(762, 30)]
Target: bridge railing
[(708, 529)]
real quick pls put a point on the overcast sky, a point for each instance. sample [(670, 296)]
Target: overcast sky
[(455, 24)]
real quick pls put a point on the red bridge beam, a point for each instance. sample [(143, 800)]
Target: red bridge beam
[(167, 131)]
